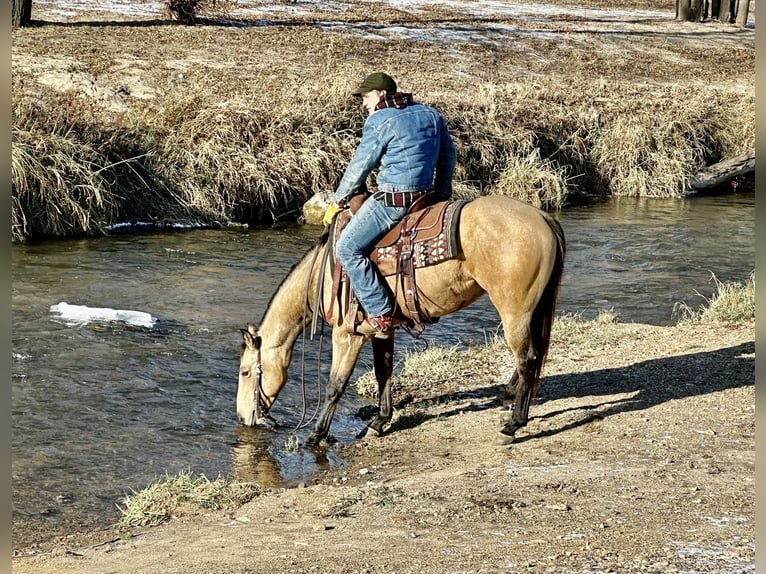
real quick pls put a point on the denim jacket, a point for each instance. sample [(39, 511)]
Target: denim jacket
[(412, 147)]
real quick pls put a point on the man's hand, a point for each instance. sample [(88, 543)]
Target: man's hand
[(331, 212)]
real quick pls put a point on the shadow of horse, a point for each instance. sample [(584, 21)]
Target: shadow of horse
[(637, 387)]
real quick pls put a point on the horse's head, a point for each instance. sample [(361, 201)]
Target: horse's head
[(261, 377)]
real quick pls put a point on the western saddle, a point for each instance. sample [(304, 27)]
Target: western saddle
[(427, 235)]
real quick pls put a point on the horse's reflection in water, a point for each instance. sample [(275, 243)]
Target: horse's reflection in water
[(253, 461)]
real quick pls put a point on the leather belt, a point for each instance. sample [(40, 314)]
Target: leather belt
[(398, 198)]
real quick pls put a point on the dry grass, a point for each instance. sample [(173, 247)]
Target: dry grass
[(59, 181), (248, 134), (58, 187), (732, 302), (654, 151), (169, 496), (440, 367), (72, 177), (256, 152)]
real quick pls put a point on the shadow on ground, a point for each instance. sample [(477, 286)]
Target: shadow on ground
[(647, 384)]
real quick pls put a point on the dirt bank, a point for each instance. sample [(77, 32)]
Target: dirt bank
[(639, 457)]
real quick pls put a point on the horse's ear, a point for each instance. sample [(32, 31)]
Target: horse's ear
[(252, 340)]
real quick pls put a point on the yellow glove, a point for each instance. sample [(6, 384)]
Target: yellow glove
[(329, 215)]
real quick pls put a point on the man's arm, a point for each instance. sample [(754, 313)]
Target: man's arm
[(366, 158)]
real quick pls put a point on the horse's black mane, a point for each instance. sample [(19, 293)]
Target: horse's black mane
[(318, 244), (322, 239)]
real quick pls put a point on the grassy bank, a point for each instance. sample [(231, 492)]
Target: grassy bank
[(251, 144), (731, 303), (183, 492)]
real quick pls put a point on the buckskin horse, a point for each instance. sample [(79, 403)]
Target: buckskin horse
[(509, 249)]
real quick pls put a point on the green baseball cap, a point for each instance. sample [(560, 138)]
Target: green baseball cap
[(375, 81)]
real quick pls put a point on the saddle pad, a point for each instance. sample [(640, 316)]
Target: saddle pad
[(430, 234)]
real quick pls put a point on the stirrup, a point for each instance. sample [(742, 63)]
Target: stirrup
[(381, 324)]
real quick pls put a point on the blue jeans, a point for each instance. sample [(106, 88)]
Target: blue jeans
[(367, 226)]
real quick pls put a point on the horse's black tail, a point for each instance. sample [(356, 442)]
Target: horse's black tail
[(542, 317)]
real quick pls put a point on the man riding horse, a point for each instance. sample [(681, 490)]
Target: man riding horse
[(411, 145)]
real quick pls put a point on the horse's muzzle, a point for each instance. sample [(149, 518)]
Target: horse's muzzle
[(264, 420), (250, 420)]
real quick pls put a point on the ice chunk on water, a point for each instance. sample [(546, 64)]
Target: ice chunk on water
[(81, 314)]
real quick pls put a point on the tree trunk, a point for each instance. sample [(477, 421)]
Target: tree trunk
[(22, 13), (727, 10), (694, 11), (691, 10), (743, 9), (723, 172)]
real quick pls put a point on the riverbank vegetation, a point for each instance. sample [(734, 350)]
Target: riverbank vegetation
[(182, 493), (731, 303), (244, 124)]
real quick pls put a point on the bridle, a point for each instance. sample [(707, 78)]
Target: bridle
[(261, 408)]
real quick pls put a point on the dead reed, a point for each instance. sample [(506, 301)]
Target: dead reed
[(732, 302), (224, 149)]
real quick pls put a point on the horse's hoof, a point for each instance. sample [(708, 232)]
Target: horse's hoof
[(328, 441), (510, 428), (376, 427), (504, 440)]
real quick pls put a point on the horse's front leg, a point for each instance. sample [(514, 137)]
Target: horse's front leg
[(383, 363), (345, 352)]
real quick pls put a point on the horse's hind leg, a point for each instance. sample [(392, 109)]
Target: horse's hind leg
[(522, 383), (524, 388), (383, 358), (509, 396)]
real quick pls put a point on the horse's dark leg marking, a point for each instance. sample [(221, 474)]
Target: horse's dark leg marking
[(335, 389), (345, 352), (509, 396), (383, 356), (526, 369)]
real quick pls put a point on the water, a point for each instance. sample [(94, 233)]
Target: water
[(641, 256), (105, 408)]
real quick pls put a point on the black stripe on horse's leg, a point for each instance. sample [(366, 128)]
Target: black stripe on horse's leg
[(383, 356), (335, 389), (509, 396), (524, 388), (345, 352)]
